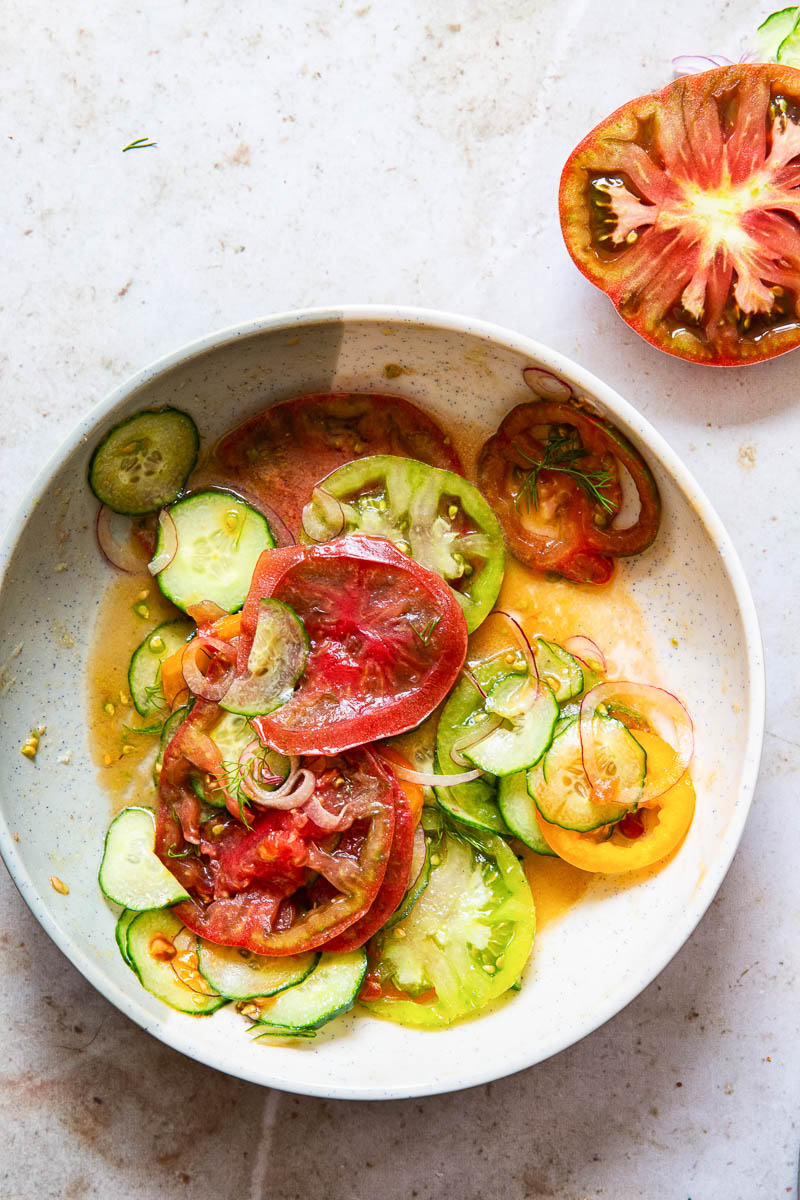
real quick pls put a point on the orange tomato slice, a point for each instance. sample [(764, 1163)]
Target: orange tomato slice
[(172, 681), (666, 820)]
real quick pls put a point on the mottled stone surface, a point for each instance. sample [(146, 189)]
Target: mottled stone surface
[(348, 152)]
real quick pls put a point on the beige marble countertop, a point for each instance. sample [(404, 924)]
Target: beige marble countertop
[(315, 153)]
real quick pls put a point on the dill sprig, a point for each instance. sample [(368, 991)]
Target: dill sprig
[(563, 452), (427, 632), (154, 693), (142, 143)]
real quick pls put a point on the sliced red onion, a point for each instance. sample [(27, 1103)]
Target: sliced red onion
[(469, 675), (117, 544), (481, 731), (332, 822), (322, 517), (343, 873), (428, 779), (206, 612), (257, 783), (693, 64), (586, 650), (302, 789), (661, 712), (527, 650), (198, 683), (546, 384), (169, 538)]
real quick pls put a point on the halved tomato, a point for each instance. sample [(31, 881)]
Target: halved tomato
[(387, 639), (684, 207), (280, 454)]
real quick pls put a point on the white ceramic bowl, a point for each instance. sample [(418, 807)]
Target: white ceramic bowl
[(690, 589)]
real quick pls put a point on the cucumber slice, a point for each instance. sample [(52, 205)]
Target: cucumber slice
[(560, 669), (144, 672), (149, 939), (331, 988), (131, 873), (773, 31), (530, 713), (121, 932), (474, 804), (241, 975), (561, 790), (220, 539), (276, 662), (519, 812), (143, 463)]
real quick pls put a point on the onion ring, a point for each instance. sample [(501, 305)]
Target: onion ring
[(120, 553), (169, 536), (662, 712)]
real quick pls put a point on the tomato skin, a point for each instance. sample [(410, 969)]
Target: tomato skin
[(395, 881), (720, 290), (369, 675), (280, 454), (572, 542)]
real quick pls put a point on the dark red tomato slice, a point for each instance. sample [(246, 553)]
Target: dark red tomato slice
[(387, 640), (395, 881), (281, 884), (551, 473), (683, 207), (280, 454)]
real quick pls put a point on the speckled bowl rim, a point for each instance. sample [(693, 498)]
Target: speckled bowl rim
[(479, 1071)]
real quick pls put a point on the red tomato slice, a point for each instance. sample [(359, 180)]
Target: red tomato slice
[(250, 886), (395, 881), (387, 640), (558, 517), (683, 207), (280, 454)]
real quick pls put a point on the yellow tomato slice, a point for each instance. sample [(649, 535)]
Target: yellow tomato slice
[(666, 820)]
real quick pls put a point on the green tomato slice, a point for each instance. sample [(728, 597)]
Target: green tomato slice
[(436, 516), (465, 941)]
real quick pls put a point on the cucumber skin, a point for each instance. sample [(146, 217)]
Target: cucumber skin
[(96, 462), (304, 1028), (134, 684)]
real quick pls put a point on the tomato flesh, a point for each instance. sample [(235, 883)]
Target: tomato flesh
[(683, 207), (387, 639), (280, 454)]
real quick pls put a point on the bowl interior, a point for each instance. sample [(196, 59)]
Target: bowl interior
[(688, 589)]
